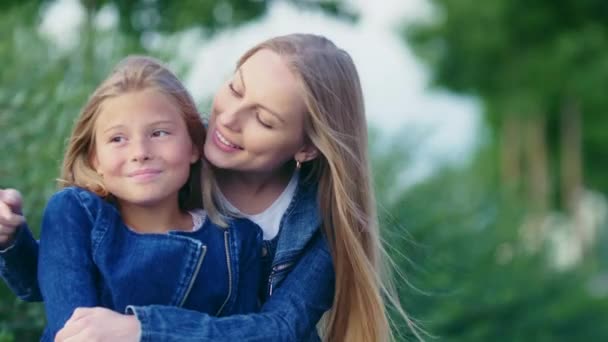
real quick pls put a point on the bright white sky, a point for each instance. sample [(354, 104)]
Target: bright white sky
[(395, 83)]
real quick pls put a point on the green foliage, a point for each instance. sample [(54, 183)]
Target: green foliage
[(136, 18), (521, 58), (525, 58), (466, 273), (510, 46)]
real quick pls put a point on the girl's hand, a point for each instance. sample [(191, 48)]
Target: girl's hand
[(99, 324), (10, 216)]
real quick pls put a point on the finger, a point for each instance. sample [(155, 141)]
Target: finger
[(68, 331), (83, 334), (8, 218), (5, 211), (6, 231), (79, 313), (81, 337), (13, 199), (71, 328)]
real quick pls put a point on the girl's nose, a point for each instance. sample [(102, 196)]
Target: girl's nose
[(141, 151)]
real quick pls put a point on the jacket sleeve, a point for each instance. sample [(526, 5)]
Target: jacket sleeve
[(290, 314), (19, 266), (66, 274)]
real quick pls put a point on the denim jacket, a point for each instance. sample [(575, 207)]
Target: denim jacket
[(89, 257), (300, 286)]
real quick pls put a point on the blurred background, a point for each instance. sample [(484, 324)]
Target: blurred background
[(487, 125)]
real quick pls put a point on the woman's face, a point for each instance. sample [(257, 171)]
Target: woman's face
[(257, 118)]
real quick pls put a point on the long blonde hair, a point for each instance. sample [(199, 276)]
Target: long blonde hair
[(335, 124), (132, 74)]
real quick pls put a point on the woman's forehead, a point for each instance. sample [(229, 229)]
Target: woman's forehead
[(267, 78)]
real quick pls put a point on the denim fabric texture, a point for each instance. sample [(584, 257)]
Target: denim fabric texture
[(299, 289), (89, 257), (299, 286), (19, 266)]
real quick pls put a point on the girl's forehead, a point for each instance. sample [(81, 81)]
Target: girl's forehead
[(137, 107)]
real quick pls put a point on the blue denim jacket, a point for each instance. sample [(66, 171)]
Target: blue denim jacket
[(300, 286), (89, 257)]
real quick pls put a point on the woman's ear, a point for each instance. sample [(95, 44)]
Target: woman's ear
[(307, 153)]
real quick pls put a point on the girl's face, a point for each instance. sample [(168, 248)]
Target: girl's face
[(142, 148), (257, 118)]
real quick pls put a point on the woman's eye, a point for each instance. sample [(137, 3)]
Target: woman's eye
[(262, 122), (233, 89), (160, 133)]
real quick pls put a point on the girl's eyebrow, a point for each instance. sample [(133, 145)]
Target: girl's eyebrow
[(155, 123), (113, 128), (272, 112), (161, 122)]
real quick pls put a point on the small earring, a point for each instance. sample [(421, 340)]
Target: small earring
[(298, 164)]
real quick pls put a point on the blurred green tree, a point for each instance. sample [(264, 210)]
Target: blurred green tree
[(540, 68), (464, 274), (139, 17)]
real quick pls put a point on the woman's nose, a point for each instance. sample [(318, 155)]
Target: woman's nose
[(231, 118)]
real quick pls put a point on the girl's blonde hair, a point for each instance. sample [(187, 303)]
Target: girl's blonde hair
[(335, 124), (132, 74)]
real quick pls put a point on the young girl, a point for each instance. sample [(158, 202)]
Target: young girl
[(287, 146), (128, 228)]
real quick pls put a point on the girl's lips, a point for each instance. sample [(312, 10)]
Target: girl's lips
[(224, 144), (144, 175)]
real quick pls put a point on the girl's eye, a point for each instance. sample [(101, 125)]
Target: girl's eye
[(117, 139), (160, 133)]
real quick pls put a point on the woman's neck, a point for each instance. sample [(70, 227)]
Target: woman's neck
[(253, 193), (154, 218)]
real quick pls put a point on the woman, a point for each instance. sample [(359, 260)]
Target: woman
[(287, 148)]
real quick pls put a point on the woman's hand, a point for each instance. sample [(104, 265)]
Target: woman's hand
[(99, 324), (10, 216)]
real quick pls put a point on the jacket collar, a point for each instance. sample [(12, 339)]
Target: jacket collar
[(300, 222)]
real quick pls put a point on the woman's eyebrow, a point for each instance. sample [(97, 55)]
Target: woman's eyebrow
[(240, 72), (272, 112)]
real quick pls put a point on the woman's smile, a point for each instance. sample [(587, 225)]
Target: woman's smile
[(223, 143)]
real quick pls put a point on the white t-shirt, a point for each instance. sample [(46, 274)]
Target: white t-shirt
[(270, 219), (198, 218)]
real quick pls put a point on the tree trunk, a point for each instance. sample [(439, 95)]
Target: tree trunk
[(510, 151), (571, 165), (536, 183), (571, 156), (537, 164)]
